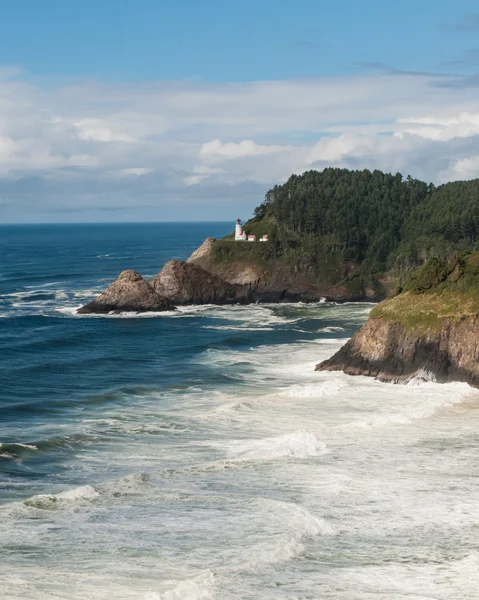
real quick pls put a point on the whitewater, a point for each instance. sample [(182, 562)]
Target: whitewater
[(197, 454)]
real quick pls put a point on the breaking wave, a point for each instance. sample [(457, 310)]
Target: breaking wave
[(198, 587), (300, 444)]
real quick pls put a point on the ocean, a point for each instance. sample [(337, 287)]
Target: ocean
[(196, 454)]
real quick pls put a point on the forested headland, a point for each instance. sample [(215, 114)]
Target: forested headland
[(361, 224)]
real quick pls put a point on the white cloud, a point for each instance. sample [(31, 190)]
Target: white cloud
[(121, 145), (216, 151), (466, 168), (98, 131), (334, 149), (435, 128), (135, 171)]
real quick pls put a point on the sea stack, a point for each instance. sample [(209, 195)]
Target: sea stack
[(186, 283), (129, 293)]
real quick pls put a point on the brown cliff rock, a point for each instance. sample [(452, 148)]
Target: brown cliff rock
[(274, 280), (410, 334), (202, 255), (186, 283), (130, 292)]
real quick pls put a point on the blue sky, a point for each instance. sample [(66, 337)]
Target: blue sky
[(222, 40), (122, 110)]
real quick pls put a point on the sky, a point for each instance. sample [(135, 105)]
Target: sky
[(150, 110)]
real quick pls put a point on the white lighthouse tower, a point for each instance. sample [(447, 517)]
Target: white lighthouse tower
[(239, 233)]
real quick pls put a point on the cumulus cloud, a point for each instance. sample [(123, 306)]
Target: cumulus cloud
[(152, 149), (216, 151)]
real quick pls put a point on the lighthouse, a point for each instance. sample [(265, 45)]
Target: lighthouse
[(239, 233)]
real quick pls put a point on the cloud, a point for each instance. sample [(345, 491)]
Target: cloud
[(435, 128), (466, 168), (175, 149), (217, 151)]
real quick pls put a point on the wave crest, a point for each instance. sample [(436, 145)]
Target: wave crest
[(299, 444), (199, 587)]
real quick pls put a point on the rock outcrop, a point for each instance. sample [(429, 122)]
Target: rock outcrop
[(431, 327), (391, 351), (202, 255), (186, 283), (272, 280), (130, 292)]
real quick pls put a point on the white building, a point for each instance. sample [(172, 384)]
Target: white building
[(240, 235)]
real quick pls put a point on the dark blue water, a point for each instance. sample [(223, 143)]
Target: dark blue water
[(54, 365)]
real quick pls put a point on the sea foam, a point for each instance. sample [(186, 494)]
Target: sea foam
[(299, 444), (199, 587)]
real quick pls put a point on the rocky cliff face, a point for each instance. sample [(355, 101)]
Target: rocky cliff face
[(392, 351), (432, 326), (202, 255), (273, 280), (130, 292), (187, 283)]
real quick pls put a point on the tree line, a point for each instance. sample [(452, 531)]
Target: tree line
[(374, 219)]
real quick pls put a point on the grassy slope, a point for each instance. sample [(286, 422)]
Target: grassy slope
[(302, 256), (437, 291)]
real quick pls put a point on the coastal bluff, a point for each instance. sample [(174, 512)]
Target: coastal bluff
[(209, 276), (275, 279), (431, 329)]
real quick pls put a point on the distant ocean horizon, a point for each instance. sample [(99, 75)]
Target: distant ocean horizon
[(196, 454)]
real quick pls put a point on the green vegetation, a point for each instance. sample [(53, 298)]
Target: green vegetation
[(436, 291), (459, 274), (229, 251), (365, 223)]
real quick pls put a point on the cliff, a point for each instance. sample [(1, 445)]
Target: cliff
[(276, 279), (335, 234), (431, 327), (187, 283)]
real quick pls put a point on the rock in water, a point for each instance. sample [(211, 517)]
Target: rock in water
[(130, 292), (186, 283)]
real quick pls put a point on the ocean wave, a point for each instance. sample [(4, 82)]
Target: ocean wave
[(198, 587), (238, 406), (288, 527), (328, 387), (72, 311), (431, 399), (300, 444), (237, 328), (21, 450), (422, 376), (129, 485), (79, 495), (15, 450), (458, 578), (30, 296)]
